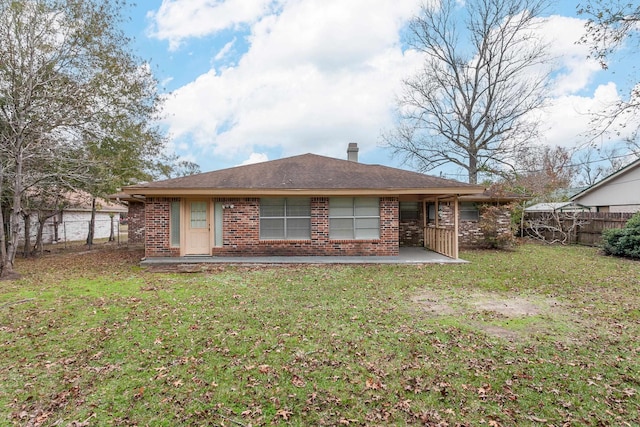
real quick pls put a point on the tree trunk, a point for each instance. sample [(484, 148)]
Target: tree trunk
[(92, 223), (3, 239), (55, 230), (26, 250), (111, 235), (42, 220), (473, 168), (14, 217)]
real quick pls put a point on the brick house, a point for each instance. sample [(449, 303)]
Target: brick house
[(301, 205)]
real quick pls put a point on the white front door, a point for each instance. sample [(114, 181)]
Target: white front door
[(198, 234)]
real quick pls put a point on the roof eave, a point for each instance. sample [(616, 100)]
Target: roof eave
[(252, 192)]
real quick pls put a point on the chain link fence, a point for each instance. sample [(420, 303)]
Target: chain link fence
[(75, 232)]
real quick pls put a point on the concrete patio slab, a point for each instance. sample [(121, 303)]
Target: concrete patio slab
[(406, 256)]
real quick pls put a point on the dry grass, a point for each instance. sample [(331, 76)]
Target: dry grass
[(539, 336)]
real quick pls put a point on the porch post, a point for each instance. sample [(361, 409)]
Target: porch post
[(456, 214), (436, 237), (424, 224)]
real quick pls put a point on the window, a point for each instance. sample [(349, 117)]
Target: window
[(354, 218), (174, 224), (409, 211), (285, 219), (217, 223), (469, 212), (431, 213), (199, 215)]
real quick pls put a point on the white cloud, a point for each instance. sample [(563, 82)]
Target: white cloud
[(165, 82), (316, 76), (576, 72), (578, 91), (255, 158), (225, 50), (177, 20), (568, 119)]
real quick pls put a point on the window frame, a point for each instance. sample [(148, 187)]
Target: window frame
[(355, 218), (431, 212), (286, 218), (411, 208), (471, 213)]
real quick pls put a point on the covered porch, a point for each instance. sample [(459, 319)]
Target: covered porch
[(431, 222)]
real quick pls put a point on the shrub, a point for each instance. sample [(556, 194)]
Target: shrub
[(623, 241), (495, 224)]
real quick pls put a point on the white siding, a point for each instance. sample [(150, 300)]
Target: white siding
[(621, 193), (73, 227)]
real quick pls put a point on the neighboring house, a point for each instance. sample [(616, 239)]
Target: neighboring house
[(72, 222), (301, 205), (619, 192)]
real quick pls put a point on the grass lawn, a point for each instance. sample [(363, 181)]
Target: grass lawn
[(540, 336)]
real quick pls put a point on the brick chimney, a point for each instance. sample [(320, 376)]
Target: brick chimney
[(352, 152)]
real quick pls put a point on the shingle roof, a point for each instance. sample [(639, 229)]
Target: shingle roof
[(307, 172)]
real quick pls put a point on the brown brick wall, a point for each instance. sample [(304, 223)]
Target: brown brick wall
[(241, 230), (411, 233), (470, 235), (135, 223), (157, 210), (241, 233)]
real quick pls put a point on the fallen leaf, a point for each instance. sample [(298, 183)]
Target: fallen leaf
[(298, 382), (139, 393), (264, 369), (374, 384), (284, 414)]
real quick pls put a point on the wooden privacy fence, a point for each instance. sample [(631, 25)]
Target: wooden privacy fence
[(584, 228)]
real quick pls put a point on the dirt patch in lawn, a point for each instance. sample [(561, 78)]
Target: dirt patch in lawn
[(517, 306), (509, 317)]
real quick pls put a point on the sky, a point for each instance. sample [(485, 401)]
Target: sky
[(255, 80)]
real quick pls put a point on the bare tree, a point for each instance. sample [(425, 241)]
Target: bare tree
[(483, 75), (593, 164), (610, 23), (614, 26), (555, 226), (66, 76)]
